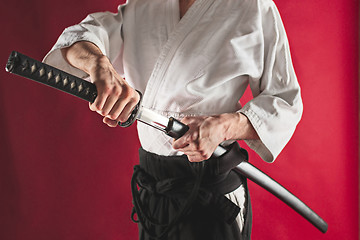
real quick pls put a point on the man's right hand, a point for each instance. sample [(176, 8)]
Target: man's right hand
[(116, 99)]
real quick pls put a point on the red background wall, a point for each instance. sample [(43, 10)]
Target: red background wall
[(65, 175)]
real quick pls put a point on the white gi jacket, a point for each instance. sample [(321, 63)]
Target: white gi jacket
[(199, 65)]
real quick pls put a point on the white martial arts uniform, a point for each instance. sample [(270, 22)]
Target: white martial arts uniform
[(200, 64)]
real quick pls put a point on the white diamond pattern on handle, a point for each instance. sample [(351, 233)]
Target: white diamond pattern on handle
[(33, 68), (41, 72), (49, 75), (87, 91), (25, 65), (65, 81), (57, 78), (72, 85), (80, 87)]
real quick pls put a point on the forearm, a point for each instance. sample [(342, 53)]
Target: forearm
[(116, 98), (83, 55)]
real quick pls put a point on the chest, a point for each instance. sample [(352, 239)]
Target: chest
[(199, 58), (184, 5)]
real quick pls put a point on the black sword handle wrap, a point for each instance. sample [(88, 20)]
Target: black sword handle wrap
[(27, 67), (30, 68)]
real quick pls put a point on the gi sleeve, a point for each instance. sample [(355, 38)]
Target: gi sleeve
[(276, 107), (102, 28)]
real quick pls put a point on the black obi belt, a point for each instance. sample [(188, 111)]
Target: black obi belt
[(175, 197)]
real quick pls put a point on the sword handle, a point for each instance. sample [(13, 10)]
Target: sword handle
[(27, 67), (30, 68)]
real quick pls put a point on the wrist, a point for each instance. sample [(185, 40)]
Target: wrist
[(84, 56), (222, 125), (237, 127), (230, 123)]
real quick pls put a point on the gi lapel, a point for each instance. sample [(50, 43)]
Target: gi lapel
[(175, 38)]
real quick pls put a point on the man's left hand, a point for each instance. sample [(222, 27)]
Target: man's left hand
[(200, 141)]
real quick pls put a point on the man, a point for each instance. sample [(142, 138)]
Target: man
[(192, 60)]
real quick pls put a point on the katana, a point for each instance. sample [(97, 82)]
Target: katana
[(27, 67)]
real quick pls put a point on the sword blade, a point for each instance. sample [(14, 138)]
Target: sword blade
[(152, 119)]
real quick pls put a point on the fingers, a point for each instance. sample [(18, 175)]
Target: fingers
[(110, 122), (197, 158), (117, 109), (201, 140), (195, 148), (125, 113), (198, 155), (190, 136), (108, 96), (115, 100)]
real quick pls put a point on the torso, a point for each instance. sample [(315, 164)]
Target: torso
[(185, 65)]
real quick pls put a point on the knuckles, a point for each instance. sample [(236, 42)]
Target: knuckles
[(115, 97), (96, 106), (122, 118), (199, 157), (113, 116)]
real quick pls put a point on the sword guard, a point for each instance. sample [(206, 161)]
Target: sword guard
[(133, 114)]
